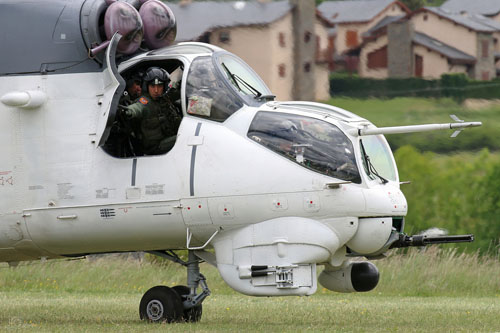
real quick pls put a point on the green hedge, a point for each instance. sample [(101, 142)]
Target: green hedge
[(457, 86), (457, 192)]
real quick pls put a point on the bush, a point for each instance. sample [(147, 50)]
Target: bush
[(457, 86), (459, 193)]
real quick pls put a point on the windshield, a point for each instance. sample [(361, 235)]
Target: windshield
[(312, 143), (380, 156), (207, 95)]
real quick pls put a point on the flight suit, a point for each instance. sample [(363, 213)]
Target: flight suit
[(158, 122)]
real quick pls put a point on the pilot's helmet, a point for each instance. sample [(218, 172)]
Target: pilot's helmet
[(287, 126), (156, 75), (286, 129)]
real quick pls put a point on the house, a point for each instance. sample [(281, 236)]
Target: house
[(281, 40), (473, 34), (428, 43), (353, 18), (487, 8)]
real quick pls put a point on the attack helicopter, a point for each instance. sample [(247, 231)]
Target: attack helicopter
[(264, 190)]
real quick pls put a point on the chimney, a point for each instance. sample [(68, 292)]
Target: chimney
[(399, 49)]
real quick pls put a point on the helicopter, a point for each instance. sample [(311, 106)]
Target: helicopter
[(264, 190)]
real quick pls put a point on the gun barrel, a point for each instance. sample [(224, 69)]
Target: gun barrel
[(424, 240)]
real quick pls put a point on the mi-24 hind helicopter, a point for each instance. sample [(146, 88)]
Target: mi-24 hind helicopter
[(274, 188)]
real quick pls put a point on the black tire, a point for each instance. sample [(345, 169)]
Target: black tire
[(193, 314), (161, 304)]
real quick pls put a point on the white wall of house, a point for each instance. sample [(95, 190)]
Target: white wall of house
[(282, 57), (322, 32), (363, 70), (435, 64), (260, 47), (496, 36), (444, 30), (362, 27), (322, 73), (252, 44)]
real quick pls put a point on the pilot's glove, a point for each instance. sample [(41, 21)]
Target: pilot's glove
[(133, 111)]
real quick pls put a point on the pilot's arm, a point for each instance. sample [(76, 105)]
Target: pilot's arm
[(136, 110)]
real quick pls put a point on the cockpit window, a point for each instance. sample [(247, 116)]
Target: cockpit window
[(246, 82), (377, 159), (207, 95), (312, 143)]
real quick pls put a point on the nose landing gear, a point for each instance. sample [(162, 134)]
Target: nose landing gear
[(179, 303)]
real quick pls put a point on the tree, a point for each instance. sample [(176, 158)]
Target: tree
[(414, 4)]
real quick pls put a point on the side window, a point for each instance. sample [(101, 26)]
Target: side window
[(149, 112), (207, 95)]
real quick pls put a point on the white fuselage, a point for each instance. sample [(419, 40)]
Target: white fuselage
[(63, 195)]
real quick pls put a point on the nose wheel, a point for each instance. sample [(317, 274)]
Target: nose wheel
[(161, 304), (180, 303)]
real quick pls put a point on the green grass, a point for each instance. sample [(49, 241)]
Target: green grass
[(434, 290), (40, 312)]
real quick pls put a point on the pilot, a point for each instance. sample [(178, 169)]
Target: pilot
[(157, 116), (134, 90)]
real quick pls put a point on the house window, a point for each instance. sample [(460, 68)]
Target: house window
[(419, 66), (205, 38), (307, 36), (318, 48), (351, 38), (378, 58), (330, 52), (224, 37), (281, 38), (425, 17), (307, 67), (282, 70), (485, 76), (485, 48)]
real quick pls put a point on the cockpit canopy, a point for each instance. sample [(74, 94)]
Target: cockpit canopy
[(315, 144)]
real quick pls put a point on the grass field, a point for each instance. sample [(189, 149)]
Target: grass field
[(435, 291)]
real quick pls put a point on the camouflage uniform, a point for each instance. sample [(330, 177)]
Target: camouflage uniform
[(158, 122)]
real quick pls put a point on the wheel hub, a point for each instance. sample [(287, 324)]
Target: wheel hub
[(154, 310)]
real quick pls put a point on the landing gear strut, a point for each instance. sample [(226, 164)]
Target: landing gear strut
[(179, 303)]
